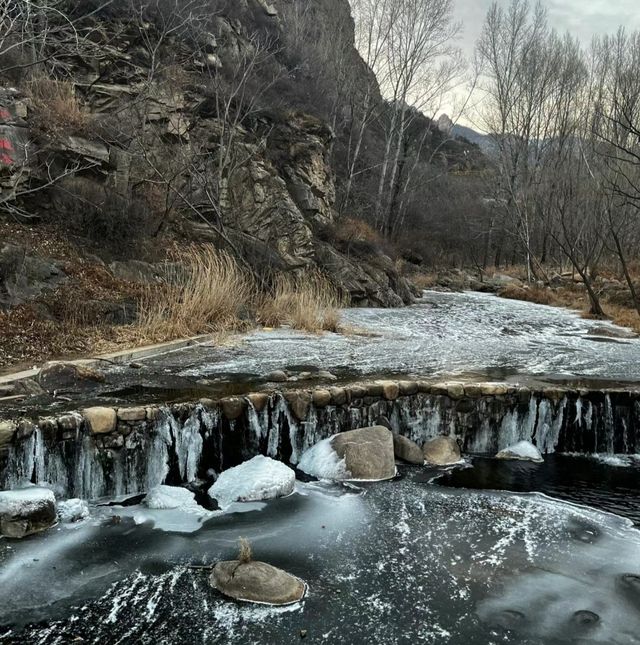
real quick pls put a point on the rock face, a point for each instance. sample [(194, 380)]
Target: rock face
[(65, 376), (367, 453), (256, 582), (441, 451), (26, 511), (256, 480), (523, 451), (407, 450), (273, 205), (23, 277)]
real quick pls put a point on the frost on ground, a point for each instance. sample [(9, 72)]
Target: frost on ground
[(523, 450), (169, 497), (322, 461), (258, 479), (73, 510)]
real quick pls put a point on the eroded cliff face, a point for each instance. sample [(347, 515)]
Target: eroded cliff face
[(277, 190)]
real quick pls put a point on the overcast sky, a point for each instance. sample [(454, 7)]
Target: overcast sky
[(583, 18)]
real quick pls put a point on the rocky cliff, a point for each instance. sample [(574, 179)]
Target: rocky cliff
[(161, 119)]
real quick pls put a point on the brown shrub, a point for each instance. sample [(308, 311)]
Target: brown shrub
[(536, 295), (56, 111), (309, 302), (207, 295)]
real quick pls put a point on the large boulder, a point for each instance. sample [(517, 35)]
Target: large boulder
[(407, 450), (26, 511), (256, 582), (256, 480), (365, 454), (65, 376), (522, 451), (441, 451)]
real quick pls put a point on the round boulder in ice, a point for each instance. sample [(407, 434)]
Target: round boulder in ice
[(442, 451), (523, 450), (257, 582), (256, 480), (169, 497), (365, 454), (26, 511), (73, 510)]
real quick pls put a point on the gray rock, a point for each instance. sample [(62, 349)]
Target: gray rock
[(26, 511), (278, 376), (257, 582), (442, 451), (368, 452), (24, 277), (63, 376), (407, 450)]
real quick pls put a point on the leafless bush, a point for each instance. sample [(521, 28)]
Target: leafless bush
[(56, 110)]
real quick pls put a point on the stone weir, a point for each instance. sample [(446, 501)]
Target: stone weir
[(107, 452)]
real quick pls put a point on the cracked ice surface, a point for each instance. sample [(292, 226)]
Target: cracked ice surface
[(445, 333), (395, 562)]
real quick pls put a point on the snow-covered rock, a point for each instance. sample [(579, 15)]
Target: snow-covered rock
[(169, 497), (259, 479), (322, 461), (523, 450), (73, 510), (364, 454), (26, 511)]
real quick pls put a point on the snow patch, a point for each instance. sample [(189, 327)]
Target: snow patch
[(169, 497), (259, 479), (25, 501), (322, 461), (523, 450)]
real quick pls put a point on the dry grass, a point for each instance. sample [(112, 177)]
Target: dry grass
[(245, 552), (537, 295), (206, 295), (308, 302), (55, 107)]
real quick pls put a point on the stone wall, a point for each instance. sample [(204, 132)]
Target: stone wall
[(102, 452)]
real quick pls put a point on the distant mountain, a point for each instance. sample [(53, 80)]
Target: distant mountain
[(484, 141)]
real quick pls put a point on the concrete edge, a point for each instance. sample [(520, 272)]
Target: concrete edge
[(117, 358)]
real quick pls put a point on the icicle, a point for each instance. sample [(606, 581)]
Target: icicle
[(158, 459), (609, 425), (188, 445)]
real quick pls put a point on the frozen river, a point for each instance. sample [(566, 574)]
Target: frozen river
[(400, 562), (443, 334)]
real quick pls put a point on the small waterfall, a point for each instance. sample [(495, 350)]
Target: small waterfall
[(184, 443)]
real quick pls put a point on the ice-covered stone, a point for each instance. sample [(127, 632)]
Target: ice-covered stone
[(322, 461), (259, 479), (366, 454), (523, 450), (26, 511), (73, 510), (169, 497)]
